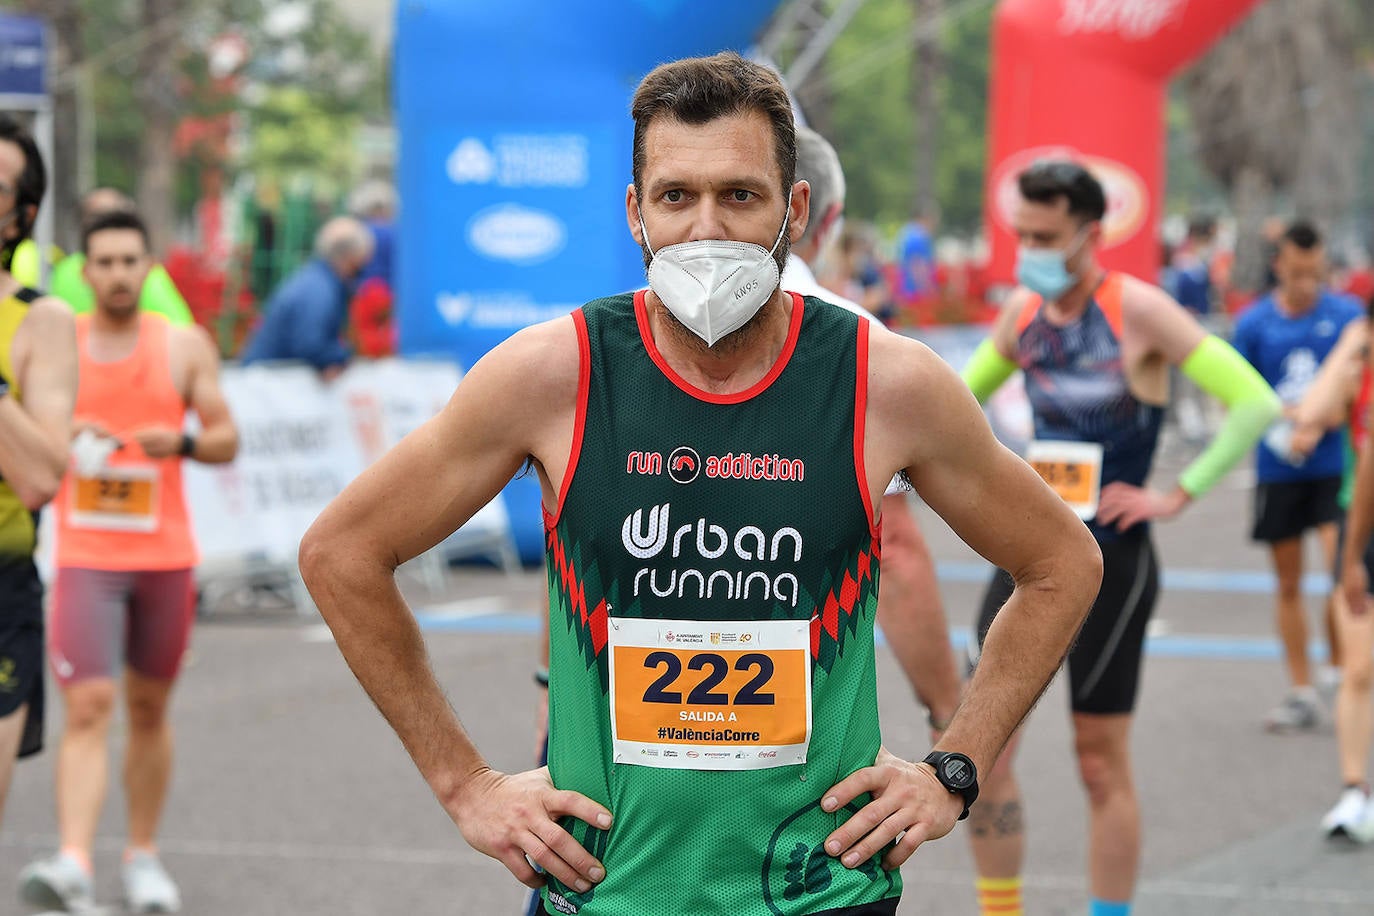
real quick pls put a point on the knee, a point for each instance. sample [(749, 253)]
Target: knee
[(1102, 771), (1357, 673), (1290, 588), (147, 713), (89, 706)]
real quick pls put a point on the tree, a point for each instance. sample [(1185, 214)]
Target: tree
[(1291, 132)]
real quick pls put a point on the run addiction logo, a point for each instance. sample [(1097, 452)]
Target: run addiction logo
[(684, 465)]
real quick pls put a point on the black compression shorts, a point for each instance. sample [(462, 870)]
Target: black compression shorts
[(1104, 663), (21, 649)]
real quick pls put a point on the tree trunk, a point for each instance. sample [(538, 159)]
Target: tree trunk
[(64, 194), (156, 94), (1252, 197), (927, 73)]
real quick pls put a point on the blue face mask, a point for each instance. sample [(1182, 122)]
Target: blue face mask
[(1045, 271)]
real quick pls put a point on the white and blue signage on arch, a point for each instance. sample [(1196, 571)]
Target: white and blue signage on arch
[(23, 57)]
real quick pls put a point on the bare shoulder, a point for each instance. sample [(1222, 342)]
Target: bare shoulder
[(195, 340), (1157, 322), (544, 357), (49, 315), (906, 377)]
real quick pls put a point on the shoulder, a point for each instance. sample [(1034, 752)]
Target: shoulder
[(539, 360), (49, 315), (192, 338), (1139, 297), (901, 367)]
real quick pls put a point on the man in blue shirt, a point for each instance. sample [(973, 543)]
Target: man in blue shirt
[(304, 318), (1286, 336)]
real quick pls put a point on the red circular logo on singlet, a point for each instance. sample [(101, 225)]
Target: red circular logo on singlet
[(684, 464)]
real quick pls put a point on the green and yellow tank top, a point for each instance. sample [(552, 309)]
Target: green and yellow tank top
[(18, 526), (713, 577)]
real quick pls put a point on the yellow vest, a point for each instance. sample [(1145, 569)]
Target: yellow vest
[(17, 524)]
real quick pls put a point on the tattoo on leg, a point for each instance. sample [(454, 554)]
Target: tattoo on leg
[(1002, 820)]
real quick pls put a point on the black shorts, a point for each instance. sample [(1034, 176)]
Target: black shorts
[(21, 649), (1104, 662), (1286, 509)]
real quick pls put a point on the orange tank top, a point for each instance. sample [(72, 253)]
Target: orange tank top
[(131, 515)]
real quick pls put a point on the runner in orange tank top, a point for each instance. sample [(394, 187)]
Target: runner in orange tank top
[(125, 555)]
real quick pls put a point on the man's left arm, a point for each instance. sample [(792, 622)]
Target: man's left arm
[(1218, 369), (922, 416), (218, 439)]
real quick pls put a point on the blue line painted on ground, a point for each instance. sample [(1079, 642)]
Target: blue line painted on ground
[(1241, 582), (1212, 647)]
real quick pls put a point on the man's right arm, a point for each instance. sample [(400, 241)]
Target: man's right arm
[(34, 435), (991, 363), (517, 401)]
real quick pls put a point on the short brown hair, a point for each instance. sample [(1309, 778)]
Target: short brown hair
[(696, 90)]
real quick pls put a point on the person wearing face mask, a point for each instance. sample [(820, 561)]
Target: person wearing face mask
[(1287, 336), (304, 319), (910, 611), (712, 453), (1096, 347)]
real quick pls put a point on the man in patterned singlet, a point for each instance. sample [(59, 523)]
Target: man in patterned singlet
[(1096, 347), (712, 454), (37, 391)]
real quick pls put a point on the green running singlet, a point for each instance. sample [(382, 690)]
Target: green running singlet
[(713, 577)]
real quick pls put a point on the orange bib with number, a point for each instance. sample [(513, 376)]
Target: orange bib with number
[(122, 498), (1073, 470), (710, 695)]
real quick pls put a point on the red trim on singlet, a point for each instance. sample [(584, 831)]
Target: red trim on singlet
[(584, 382), (1359, 411), (1108, 296), (860, 415), (646, 335)]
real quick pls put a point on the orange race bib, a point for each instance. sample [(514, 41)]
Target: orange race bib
[(1073, 470), (710, 695), (123, 498)]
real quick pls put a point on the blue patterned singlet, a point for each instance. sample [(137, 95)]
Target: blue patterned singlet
[(1078, 390)]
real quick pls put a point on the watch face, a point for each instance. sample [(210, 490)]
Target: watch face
[(956, 772)]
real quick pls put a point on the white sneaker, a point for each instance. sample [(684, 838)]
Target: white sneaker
[(1350, 814), (147, 886), (1362, 830), (57, 882), (1299, 711)]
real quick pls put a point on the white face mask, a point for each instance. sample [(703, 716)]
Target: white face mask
[(714, 286)]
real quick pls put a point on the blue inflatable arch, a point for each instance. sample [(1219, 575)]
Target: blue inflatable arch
[(514, 156)]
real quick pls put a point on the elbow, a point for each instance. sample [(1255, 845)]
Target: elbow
[(38, 492), (312, 559)]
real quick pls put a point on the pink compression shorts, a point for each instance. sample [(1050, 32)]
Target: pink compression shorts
[(99, 615)]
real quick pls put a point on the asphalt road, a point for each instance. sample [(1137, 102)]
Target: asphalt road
[(292, 796)]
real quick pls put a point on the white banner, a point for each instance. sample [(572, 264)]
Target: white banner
[(301, 440)]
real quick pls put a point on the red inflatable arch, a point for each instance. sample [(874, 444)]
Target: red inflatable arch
[(1087, 79)]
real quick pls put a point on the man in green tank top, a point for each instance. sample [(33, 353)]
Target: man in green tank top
[(37, 393), (712, 453)]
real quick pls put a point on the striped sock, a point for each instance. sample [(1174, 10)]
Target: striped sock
[(1109, 908), (999, 896)]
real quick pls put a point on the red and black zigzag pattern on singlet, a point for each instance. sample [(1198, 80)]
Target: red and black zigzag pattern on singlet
[(849, 596)]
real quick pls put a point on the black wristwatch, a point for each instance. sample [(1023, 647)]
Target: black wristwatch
[(957, 774)]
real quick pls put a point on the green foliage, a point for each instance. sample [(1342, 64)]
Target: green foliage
[(873, 120), (299, 101)]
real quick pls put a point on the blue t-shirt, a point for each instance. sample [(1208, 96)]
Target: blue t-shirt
[(916, 260), (1287, 351)]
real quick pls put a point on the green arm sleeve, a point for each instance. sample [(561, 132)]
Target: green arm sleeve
[(1251, 405), (987, 370), (160, 295)]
